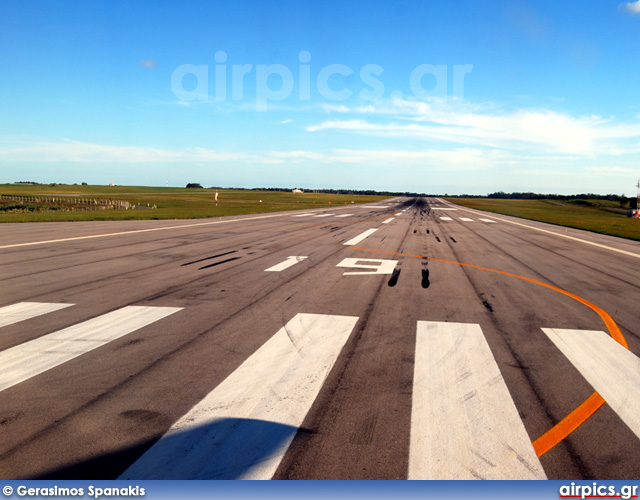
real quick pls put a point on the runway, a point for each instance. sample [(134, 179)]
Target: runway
[(406, 339)]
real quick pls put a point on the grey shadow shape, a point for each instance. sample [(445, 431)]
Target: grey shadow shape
[(226, 448)]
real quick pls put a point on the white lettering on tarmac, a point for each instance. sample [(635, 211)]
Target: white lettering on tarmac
[(374, 266)]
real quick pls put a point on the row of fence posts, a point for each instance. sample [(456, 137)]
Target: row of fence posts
[(87, 203)]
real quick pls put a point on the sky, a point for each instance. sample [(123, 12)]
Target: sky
[(460, 97)]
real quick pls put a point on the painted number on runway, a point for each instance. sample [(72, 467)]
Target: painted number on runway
[(372, 266)]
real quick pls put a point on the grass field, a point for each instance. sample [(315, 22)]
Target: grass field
[(171, 203), (599, 216)]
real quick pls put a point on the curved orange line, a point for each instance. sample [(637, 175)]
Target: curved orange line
[(593, 403)]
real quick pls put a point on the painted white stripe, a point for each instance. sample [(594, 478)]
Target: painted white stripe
[(291, 261), (388, 220), (442, 208), (464, 424), (36, 356), (375, 206), (150, 230), (359, 238), (26, 310), (612, 370), (487, 220), (466, 219), (323, 215), (302, 215), (445, 218), (566, 236), (344, 215), (243, 428)]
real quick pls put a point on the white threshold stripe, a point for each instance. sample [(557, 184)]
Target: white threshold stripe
[(466, 219), (344, 215), (26, 310), (464, 424), (360, 237), (291, 261), (243, 428), (37, 356), (324, 215), (388, 220), (487, 220), (612, 370), (445, 218), (302, 215)]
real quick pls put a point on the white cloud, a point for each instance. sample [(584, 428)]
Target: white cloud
[(631, 7), (83, 152), (527, 131)]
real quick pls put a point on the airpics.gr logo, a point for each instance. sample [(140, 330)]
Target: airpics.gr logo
[(276, 82), (596, 490)]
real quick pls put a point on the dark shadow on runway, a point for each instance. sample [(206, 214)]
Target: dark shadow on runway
[(226, 448)]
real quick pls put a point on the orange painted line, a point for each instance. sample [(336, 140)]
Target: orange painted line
[(593, 403), (568, 424)]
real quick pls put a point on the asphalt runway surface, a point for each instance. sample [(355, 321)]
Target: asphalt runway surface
[(403, 339)]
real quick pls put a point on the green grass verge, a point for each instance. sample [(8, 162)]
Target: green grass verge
[(592, 215), (173, 203)]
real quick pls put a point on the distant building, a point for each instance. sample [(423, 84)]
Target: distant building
[(297, 191)]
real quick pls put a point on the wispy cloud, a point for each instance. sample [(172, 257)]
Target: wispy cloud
[(531, 131), (630, 7), (83, 152)]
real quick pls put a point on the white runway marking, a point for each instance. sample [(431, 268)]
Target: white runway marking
[(388, 220), (26, 310), (323, 215), (442, 208), (445, 218), (464, 424), (344, 215), (36, 356), (360, 237), (566, 236), (612, 370), (243, 428), (487, 220), (291, 261), (302, 215), (466, 219), (375, 266), (150, 230)]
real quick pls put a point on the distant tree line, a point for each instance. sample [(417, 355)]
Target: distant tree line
[(623, 200), (335, 191)]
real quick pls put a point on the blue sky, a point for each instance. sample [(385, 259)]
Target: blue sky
[(428, 96)]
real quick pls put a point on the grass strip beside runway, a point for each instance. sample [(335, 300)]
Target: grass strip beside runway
[(598, 217)]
